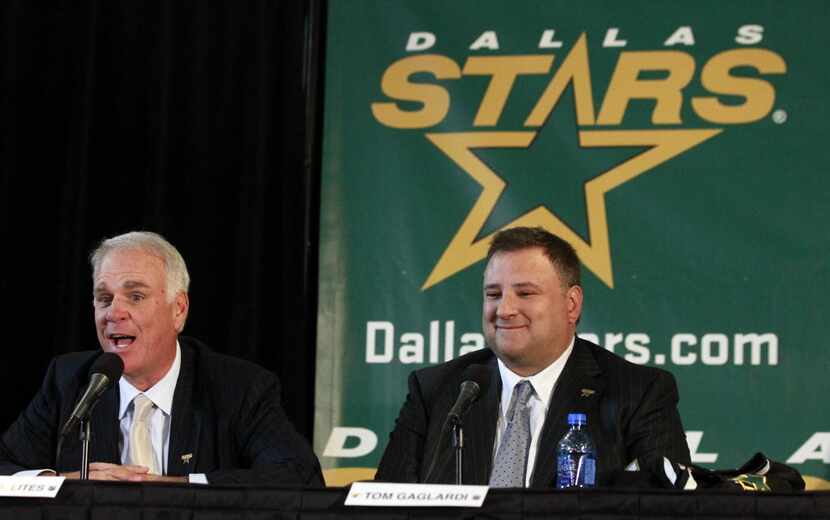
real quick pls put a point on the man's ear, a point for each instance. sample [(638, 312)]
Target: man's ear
[(181, 306), (574, 300)]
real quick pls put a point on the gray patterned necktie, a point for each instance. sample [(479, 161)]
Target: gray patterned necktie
[(511, 459)]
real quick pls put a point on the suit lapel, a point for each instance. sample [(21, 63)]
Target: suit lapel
[(480, 431), (579, 389), (185, 424)]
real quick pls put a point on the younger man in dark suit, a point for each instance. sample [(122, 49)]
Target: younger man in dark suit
[(532, 303), (180, 412)]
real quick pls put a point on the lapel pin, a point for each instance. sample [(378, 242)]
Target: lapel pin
[(186, 458), (587, 392)]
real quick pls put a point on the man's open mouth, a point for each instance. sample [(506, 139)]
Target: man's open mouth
[(121, 340)]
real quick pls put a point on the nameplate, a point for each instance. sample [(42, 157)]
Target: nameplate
[(415, 495), (35, 487)]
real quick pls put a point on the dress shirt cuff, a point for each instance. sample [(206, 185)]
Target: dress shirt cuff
[(197, 478), (36, 473)]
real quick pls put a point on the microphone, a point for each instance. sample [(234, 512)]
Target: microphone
[(476, 379), (102, 374)]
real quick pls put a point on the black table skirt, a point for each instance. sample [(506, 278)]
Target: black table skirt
[(103, 500)]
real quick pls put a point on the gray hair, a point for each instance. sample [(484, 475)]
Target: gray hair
[(178, 279)]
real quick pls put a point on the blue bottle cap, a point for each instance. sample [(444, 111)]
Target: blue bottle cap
[(577, 419)]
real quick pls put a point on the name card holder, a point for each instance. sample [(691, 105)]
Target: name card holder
[(34, 487), (415, 495)]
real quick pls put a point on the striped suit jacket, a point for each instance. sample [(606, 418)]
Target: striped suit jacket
[(227, 422), (632, 414)]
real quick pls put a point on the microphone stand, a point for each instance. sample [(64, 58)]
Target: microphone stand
[(85, 435), (458, 446)]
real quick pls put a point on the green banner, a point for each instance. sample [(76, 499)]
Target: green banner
[(680, 147)]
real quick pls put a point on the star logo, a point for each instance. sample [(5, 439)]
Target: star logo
[(466, 249), (631, 80)]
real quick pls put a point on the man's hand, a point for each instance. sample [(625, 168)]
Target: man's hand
[(126, 472)]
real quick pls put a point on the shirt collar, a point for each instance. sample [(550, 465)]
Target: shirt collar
[(543, 382), (160, 393)]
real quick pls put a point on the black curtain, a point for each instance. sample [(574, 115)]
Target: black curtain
[(192, 119)]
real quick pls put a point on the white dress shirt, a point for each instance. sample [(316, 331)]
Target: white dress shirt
[(543, 385), (162, 396)]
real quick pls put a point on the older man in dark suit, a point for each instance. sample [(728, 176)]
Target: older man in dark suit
[(180, 412), (532, 303)]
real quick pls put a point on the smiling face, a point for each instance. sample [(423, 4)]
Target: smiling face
[(135, 317), (528, 317)]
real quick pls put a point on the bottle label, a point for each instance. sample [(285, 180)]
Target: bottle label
[(575, 469), (587, 478)]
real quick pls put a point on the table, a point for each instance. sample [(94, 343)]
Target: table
[(106, 500)]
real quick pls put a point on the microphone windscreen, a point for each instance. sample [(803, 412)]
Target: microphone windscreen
[(108, 364), (479, 374)]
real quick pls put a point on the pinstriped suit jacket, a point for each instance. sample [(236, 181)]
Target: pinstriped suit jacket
[(632, 413), (227, 422)]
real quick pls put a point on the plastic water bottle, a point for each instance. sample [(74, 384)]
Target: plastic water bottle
[(576, 459)]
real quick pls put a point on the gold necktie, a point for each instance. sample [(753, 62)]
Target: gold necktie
[(141, 445)]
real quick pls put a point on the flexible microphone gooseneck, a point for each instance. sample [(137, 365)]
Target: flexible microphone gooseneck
[(105, 371), (475, 380)]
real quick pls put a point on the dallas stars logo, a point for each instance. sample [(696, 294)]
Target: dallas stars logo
[(659, 144), (464, 250)]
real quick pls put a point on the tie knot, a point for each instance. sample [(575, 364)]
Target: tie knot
[(524, 390), (142, 408), (521, 395)]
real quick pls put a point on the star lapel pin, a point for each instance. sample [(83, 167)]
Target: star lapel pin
[(186, 458), (587, 392)]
